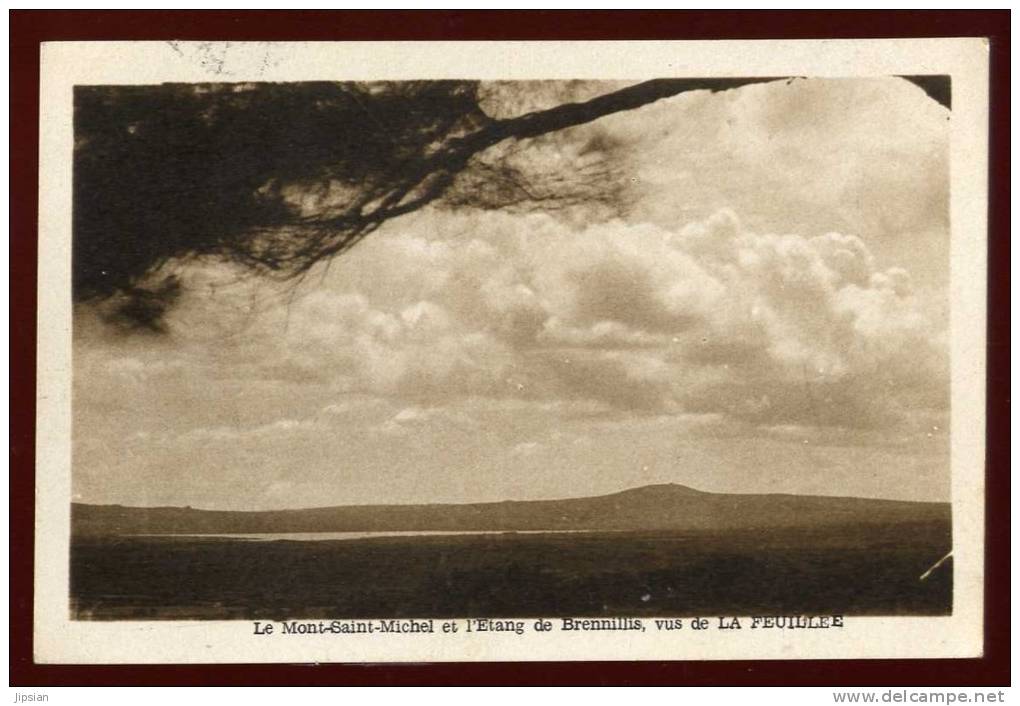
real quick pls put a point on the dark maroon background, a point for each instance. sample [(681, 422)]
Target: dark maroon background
[(29, 28)]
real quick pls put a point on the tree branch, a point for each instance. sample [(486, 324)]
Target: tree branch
[(432, 176), (573, 114)]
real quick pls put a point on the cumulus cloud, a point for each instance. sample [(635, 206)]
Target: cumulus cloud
[(816, 317), (866, 156), (703, 318), (525, 448)]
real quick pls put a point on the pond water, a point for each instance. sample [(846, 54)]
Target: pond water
[(334, 536)]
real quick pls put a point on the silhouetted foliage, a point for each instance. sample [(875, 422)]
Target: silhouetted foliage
[(279, 177), (175, 170)]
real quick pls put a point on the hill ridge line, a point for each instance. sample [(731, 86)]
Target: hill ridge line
[(677, 488)]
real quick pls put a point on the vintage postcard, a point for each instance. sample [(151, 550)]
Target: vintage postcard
[(382, 352)]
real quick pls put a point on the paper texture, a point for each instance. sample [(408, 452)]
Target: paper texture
[(380, 352)]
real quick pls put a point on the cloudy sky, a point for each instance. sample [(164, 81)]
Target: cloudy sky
[(767, 313)]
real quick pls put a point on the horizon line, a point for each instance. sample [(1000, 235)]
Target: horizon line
[(686, 488)]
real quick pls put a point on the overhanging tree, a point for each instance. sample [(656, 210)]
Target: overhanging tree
[(280, 177)]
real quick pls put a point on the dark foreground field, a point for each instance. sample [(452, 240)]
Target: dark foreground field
[(871, 570)]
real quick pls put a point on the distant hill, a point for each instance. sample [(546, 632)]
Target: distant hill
[(653, 507)]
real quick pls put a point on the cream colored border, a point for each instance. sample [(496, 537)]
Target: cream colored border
[(60, 640)]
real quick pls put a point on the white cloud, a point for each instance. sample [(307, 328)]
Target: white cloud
[(525, 448), (705, 318), (865, 156), (449, 338)]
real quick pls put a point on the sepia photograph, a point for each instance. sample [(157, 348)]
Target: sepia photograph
[(450, 349), (616, 355)]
